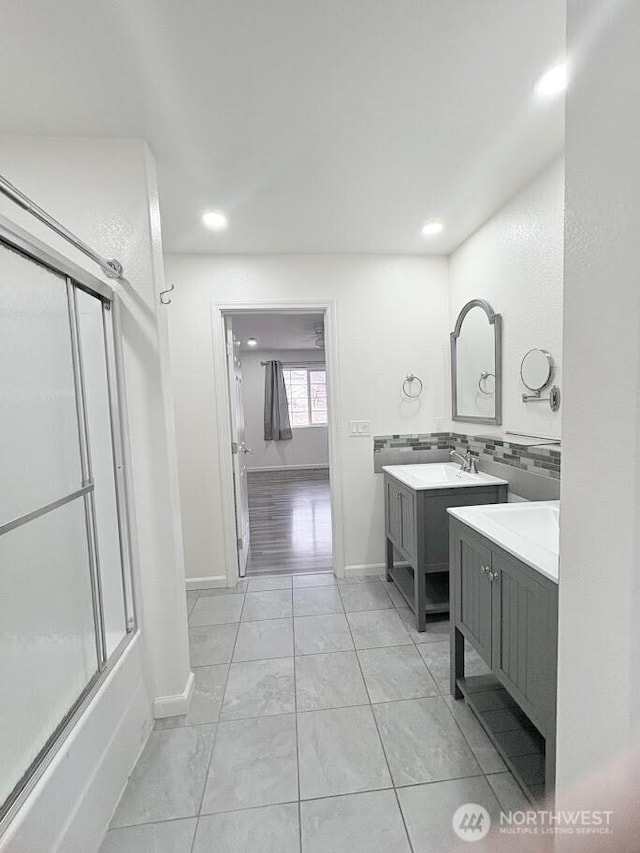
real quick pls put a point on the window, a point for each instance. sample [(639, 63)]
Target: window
[(307, 395)]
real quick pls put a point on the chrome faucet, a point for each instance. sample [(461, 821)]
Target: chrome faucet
[(468, 462)]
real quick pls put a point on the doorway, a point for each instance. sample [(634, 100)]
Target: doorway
[(277, 368)]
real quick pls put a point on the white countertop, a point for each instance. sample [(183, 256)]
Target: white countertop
[(528, 530), (439, 475)]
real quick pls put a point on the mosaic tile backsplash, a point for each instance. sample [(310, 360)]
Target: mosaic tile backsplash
[(537, 459)]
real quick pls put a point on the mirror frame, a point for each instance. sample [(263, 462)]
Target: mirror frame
[(495, 320)]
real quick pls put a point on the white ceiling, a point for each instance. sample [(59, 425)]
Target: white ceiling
[(317, 125), (277, 331)]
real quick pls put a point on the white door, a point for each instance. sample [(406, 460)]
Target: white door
[(238, 447)]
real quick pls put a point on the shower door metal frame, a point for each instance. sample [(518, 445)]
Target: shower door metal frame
[(25, 244)]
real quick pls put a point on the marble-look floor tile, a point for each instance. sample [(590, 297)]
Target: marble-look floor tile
[(270, 604), (314, 579), (253, 764), (509, 793), (259, 688), (316, 634), (485, 752), (270, 829), (216, 610), (395, 595), (374, 628), (192, 597), (208, 690), (422, 742), (317, 600), (357, 823), (168, 780), (396, 672), (173, 836), (212, 644), (267, 638), (437, 631), (429, 809), (364, 596), (329, 680), (340, 753), (260, 584), (436, 656)]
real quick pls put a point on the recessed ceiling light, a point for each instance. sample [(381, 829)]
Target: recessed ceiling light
[(553, 82), (215, 220), (252, 342), (431, 228)]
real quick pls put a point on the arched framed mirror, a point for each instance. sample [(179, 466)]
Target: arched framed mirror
[(476, 364)]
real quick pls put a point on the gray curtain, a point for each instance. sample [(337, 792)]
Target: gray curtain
[(277, 426)]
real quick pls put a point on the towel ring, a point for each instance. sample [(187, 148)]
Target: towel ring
[(482, 383), (411, 377)]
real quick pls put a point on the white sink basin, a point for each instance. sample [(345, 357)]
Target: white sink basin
[(529, 531), (438, 475), (540, 523)]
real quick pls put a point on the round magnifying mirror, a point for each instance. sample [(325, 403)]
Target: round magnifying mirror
[(536, 369)]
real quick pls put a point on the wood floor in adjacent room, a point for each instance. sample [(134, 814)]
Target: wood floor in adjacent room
[(290, 516)]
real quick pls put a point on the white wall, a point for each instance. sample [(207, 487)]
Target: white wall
[(391, 314), (309, 446), (105, 191), (599, 677), (514, 261)]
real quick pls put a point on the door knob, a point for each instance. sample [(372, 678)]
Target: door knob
[(245, 449)]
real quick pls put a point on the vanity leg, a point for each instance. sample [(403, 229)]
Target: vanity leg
[(457, 662), (389, 559), (420, 590)]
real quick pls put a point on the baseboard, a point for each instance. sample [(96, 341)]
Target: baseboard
[(289, 468), (176, 705), (369, 570), (211, 582), (364, 570)]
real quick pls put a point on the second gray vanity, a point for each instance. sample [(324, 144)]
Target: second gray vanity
[(417, 498), (504, 602)]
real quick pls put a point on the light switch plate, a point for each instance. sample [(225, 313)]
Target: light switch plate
[(359, 429)]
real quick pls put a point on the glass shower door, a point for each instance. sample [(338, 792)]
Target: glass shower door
[(64, 587), (48, 651)]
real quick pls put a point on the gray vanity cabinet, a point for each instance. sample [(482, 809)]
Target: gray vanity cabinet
[(525, 619), (475, 599), (509, 613), (400, 517), (417, 529)]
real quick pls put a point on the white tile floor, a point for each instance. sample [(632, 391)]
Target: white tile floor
[(321, 723)]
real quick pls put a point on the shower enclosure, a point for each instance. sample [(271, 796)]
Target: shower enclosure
[(66, 595)]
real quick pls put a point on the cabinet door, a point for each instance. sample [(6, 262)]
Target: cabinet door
[(524, 638), (474, 593), (408, 523), (393, 511)]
